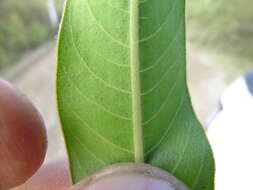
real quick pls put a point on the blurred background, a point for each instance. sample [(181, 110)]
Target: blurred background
[(220, 44)]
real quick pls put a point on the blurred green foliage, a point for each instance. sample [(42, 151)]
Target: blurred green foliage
[(23, 26), (223, 24)]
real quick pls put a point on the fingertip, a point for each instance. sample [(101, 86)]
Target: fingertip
[(52, 176), (22, 137), (134, 176)]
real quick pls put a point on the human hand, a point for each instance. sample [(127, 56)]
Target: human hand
[(23, 146)]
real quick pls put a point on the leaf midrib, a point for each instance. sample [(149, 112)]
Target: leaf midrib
[(135, 81)]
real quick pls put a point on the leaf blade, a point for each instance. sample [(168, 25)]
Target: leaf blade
[(69, 80), (115, 94)]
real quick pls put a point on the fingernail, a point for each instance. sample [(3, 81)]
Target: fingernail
[(130, 181), (131, 177)]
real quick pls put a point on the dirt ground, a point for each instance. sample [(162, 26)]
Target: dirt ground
[(35, 77)]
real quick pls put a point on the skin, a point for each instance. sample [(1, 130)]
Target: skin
[(21, 129), (23, 145), (126, 176)]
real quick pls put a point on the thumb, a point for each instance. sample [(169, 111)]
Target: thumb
[(131, 176)]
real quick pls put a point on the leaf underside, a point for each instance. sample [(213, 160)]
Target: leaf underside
[(107, 83)]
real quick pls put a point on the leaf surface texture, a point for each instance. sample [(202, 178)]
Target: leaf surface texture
[(122, 92)]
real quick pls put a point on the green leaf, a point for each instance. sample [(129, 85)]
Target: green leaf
[(122, 92)]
